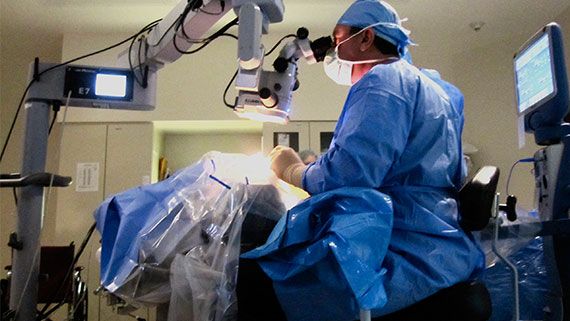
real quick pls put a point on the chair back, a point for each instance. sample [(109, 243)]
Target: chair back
[(476, 199)]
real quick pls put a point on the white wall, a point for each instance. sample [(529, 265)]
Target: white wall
[(486, 78), (182, 150)]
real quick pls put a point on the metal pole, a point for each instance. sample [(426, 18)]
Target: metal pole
[(26, 262)]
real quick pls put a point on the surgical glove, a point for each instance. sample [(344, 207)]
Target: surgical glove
[(287, 165)]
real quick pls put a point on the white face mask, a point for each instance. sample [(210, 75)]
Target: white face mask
[(340, 70)]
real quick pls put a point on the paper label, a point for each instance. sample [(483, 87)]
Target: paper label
[(283, 139), (87, 178), (522, 135)]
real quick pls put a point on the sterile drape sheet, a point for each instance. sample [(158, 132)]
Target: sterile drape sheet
[(344, 250)]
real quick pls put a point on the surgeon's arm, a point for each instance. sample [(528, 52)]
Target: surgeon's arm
[(370, 138)]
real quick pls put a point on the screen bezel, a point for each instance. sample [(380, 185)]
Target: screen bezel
[(522, 51)]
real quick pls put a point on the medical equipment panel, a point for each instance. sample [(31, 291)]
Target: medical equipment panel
[(542, 99)]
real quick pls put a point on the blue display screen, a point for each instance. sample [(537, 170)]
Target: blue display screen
[(534, 76)]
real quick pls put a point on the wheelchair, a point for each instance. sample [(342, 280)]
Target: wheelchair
[(60, 283)]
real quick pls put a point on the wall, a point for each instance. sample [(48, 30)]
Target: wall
[(485, 76), (181, 150)]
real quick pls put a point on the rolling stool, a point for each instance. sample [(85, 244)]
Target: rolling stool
[(466, 301)]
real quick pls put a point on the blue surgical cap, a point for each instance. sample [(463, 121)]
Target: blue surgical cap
[(364, 13)]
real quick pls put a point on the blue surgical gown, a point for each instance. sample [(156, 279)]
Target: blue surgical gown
[(400, 133)]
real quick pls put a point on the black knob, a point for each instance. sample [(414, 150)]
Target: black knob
[(264, 93), (302, 33), (268, 99), (280, 64), (510, 208)]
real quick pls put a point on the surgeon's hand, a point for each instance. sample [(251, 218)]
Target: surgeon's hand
[(287, 165)]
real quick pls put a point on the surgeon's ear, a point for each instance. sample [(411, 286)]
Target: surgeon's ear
[(368, 36)]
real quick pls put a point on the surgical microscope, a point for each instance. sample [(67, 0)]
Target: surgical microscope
[(262, 95)]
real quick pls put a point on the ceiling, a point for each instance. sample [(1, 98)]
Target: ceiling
[(441, 22)]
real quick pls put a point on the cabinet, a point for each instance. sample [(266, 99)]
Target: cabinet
[(320, 135), (314, 135), (294, 135), (103, 160)]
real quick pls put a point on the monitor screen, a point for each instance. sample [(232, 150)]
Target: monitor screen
[(534, 74), (111, 85)]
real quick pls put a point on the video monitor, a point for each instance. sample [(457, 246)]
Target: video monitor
[(541, 81), (534, 74)]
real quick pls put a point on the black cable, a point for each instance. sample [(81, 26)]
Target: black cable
[(56, 106), (228, 35), (180, 22), (225, 28), (131, 67), (143, 74), (228, 88), (52, 122), (279, 42), (15, 196), (43, 314), (189, 7), (142, 31), (165, 33), (222, 9), (523, 160), (209, 39), (203, 45)]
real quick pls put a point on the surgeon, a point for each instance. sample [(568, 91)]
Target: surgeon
[(307, 156), (399, 132)]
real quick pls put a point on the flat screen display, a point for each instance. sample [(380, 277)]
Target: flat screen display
[(534, 74), (98, 83), (111, 85)]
